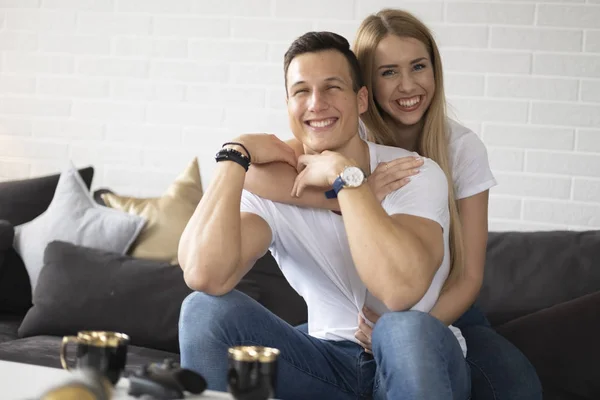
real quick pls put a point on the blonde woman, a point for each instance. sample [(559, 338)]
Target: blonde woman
[(402, 70)]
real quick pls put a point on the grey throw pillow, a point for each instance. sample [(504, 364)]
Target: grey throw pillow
[(74, 217), (88, 289)]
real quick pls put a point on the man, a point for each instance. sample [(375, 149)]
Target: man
[(390, 256)]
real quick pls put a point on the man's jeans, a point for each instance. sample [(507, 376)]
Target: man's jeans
[(414, 355)]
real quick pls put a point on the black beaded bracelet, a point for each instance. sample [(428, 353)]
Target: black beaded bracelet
[(233, 155), (242, 146)]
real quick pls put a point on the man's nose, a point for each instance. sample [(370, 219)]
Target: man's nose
[(318, 102)]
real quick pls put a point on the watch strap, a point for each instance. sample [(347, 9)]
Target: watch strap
[(338, 185)]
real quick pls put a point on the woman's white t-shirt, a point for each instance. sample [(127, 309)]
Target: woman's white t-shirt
[(471, 172)]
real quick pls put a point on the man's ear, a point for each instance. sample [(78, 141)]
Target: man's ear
[(363, 100)]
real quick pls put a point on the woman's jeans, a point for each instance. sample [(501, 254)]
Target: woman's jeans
[(499, 371), (415, 356)]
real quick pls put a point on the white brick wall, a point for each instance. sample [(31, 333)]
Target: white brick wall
[(138, 87)]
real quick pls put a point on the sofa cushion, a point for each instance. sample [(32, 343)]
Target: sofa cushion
[(15, 290), (20, 202), (73, 216), (45, 351), (23, 200), (82, 288), (562, 342), (9, 325), (7, 234), (166, 215), (529, 271)]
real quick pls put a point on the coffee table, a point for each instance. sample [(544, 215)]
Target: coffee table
[(27, 382)]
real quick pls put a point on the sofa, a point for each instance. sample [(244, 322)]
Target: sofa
[(541, 290)]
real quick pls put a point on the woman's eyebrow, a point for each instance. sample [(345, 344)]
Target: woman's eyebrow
[(416, 60)]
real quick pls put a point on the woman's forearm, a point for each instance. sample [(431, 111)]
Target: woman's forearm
[(462, 293), (275, 181), (456, 300)]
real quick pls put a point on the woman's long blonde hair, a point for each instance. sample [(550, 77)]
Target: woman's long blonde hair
[(433, 141)]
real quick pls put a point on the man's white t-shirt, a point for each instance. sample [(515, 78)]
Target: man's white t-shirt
[(311, 247), (471, 173)]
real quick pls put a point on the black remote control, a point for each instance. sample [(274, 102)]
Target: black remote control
[(165, 381)]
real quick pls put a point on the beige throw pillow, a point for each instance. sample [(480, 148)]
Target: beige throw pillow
[(167, 215)]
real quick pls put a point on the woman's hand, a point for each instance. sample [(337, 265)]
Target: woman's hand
[(266, 148), (365, 331), (390, 176)]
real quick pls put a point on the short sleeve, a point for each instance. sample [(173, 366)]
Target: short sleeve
[(425, 196), (470, 165), (362, 130), (254, 204)]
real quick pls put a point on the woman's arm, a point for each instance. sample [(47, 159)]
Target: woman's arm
[(461, 295), (275, 181)]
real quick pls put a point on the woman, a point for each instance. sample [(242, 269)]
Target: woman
[(402, 69)]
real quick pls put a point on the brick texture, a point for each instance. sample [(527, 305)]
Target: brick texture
[(139, 87)]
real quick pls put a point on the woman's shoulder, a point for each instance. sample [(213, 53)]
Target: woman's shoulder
[(469, 159), (458, 132), (463, 142)]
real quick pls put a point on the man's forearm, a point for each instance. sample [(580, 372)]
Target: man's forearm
[(210, 246), (387, 257)]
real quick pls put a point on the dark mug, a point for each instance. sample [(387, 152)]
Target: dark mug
[(105, 352), (252, 373)]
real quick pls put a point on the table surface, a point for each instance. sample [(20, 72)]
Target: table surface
[(27, 382)]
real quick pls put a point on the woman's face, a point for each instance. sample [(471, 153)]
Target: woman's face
[(403, 81)]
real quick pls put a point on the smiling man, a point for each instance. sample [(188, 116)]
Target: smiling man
[(391, 257)]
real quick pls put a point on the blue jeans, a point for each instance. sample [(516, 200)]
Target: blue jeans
[(499, 371), (414, 355)]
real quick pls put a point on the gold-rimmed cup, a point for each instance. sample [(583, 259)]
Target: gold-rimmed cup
[(252, 373), (103, 351)]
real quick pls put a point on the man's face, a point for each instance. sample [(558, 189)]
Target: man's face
[(323, 109)]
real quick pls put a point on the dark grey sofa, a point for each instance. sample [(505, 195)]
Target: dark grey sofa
[(541, 291)]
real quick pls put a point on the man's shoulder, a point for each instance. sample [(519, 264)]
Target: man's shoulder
[(430, 168), (384, 153)]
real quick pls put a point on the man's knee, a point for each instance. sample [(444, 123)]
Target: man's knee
[(406, 325), (202, 311)]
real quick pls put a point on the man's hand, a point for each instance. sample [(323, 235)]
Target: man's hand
[(365, 331), (319, 170), (266, 148)]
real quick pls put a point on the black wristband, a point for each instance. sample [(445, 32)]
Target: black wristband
[(233, 155), (242, 146)]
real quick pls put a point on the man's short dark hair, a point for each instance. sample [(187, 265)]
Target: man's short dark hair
[(313, 42)]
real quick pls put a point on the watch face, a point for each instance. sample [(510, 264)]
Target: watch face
[(353, 176)]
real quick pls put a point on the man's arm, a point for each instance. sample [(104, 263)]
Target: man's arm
[(396, 250), (396, 256), (220, 244), (274, 181)]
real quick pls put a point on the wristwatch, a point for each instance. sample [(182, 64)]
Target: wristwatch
[(351, 177)]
